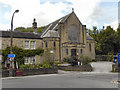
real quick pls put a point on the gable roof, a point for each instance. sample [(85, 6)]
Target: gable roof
[(54, 25), (26, 35)]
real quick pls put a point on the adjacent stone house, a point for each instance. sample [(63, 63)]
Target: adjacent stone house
[(64, 37)]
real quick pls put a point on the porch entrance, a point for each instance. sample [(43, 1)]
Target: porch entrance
[(73, 52)]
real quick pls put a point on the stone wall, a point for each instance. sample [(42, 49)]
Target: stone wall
[(86, 68), (26, 72), (20, 42)]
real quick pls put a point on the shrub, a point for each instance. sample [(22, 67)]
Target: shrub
[(111, 58), (94, 60), (47, 64), (55, 63), (72, 60), (38, 66), (85, 60), (4, 68), (27, 66)]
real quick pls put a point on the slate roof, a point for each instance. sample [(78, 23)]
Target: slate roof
[(88, 37), (62, 20), (51, 33), (26, 35), (54, 25)]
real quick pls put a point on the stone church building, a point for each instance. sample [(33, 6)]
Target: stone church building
[(65, 37)]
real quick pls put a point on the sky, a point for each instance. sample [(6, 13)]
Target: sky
[(90, 12)]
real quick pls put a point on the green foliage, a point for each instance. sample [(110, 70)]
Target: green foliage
[(107, 40), (72, 60), (93, 60), (46, 64), (4, 68), (38, 66), (25, 66), (106, 58), (20, 29), (30, 66), (29, 29), (85, 59), (21, 53)]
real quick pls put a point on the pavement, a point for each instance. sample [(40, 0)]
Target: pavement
[(100, 77)]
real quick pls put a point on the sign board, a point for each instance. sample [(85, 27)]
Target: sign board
[(51, 51), (11, 55), (115, 59), (12, 59), (118, 57)]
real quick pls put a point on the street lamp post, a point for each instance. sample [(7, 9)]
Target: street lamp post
[(11, 36)]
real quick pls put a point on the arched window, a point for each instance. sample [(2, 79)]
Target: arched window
[(73, 34)]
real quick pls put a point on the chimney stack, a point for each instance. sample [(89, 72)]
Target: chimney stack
[(34, 26)]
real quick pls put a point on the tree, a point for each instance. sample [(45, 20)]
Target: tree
[(19, 29), (106, 40), (29, 29)]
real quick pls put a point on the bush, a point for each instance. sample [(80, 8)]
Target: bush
[(38, 66), (27, 66), (55, 63), (111, 58), (72, 60), (4, 68), (94, 60), (106, 57), (85, 60), (47, 64)]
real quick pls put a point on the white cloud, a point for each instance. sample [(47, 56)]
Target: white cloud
[(86, 10), (29, 9), (4, 26), (114, 25)]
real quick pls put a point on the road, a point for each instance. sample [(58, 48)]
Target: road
[(66, 80), (63, 81), (102, 67)]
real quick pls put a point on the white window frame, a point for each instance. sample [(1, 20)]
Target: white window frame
[(26, 59), (26, 45), (32, 45), (32, 60)]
